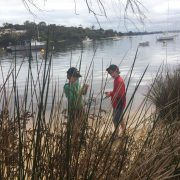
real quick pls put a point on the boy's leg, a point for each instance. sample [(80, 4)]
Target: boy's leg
[(123, 126), (117, 130), (117, 119)]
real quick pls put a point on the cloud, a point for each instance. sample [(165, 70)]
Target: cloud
[(62, 12)]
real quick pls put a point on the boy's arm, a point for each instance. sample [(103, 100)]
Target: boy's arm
[(118, 89), (68, 91), (121, 89), (112, 93), (84, 89), (65, 90)]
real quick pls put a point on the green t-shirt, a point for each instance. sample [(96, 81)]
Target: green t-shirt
[(72, 92)]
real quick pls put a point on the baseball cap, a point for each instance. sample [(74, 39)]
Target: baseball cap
[(73, 72), (112, 67)]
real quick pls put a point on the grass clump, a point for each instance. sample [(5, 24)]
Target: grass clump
[(165, 94)]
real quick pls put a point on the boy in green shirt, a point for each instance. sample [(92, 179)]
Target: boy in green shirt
[(74, 94)]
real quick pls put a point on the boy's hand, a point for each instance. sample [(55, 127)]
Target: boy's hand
[(107, 94), (84, 89)]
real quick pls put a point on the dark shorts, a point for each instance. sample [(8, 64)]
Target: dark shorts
[(117, 114)]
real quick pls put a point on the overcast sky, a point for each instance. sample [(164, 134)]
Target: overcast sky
[(160, 14)]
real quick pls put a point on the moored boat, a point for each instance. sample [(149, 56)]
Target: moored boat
[(87, 39), (26, 45), (116, 38), (165, 38), (146, 43)]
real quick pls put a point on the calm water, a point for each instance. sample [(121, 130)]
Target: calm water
[(119, 52)]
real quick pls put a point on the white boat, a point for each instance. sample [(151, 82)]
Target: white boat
[(166, 38), (117, 38), (146, 43), (87, 39), (26, 45)]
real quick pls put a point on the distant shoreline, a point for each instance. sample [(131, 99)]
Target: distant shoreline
[(13, 34)]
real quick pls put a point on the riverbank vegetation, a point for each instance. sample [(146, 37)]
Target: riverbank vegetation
[(37, 143), (13, 34), (165, 94)]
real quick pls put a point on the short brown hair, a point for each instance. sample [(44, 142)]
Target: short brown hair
[(113, 68)]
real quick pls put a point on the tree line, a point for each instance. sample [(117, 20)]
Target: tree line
[(54, 32)]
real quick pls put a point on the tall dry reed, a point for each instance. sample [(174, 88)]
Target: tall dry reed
[(36, 146)]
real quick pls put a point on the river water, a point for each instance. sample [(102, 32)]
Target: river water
[(101, 53)]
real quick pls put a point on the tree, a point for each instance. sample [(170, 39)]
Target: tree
[(42, 24), (109, 32), (31, 29), (8, 38), (130, 33), (7, 25), (92, 27)]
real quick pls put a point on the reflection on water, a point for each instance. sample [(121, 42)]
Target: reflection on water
[(102, 52)]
